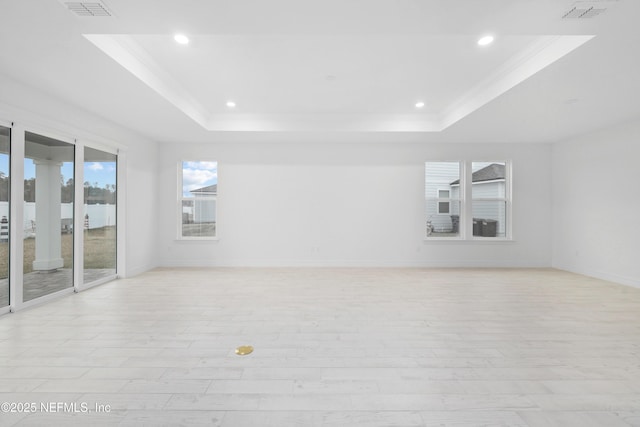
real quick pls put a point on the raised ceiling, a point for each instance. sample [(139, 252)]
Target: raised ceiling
[(328, 82), (341, 67)]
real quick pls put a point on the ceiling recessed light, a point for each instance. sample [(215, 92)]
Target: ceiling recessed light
[(181, 38), (419, 104), (485, 40), (231, 104)]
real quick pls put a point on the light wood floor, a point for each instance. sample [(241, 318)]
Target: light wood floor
[(333, 347)]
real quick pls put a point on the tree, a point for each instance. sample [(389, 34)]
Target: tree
[(4, 187), (30, 190)]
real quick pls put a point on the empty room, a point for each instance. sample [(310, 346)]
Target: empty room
[(319, 213)]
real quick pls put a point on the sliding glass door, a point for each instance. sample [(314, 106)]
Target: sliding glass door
[(61, 245), (100, 171)]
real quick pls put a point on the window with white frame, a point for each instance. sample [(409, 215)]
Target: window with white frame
[(489, 202), (442, 199), (197, 217), (487, 188)]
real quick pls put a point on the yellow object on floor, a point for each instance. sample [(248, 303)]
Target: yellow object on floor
[(243, 350)]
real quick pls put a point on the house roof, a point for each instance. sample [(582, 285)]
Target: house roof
[(488, 173), (210, 189)]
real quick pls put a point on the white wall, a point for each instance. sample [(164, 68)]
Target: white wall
[(352, 204), (141, 194), (596, 204), (40, 112)]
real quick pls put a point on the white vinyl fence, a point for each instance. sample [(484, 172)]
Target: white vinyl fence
[(99, 215)]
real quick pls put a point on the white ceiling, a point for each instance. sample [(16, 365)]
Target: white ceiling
[(333, 69)]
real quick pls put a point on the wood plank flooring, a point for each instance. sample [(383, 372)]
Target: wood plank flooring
[(333, 347)]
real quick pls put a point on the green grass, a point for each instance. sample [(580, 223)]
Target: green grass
[(100, 247), (99, 251)]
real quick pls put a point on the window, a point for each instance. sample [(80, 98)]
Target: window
[(443, 207), (198, 200), (448, 187), (442, 199), (489, 198)]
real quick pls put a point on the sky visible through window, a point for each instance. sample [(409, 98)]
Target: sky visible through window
[(102, 173), (198, 175)]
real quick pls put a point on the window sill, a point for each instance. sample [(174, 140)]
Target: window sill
[(475, 240), (197, 239)]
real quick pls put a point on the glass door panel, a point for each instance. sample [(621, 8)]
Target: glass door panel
[(48, 216), (5, 136), (99, 214)]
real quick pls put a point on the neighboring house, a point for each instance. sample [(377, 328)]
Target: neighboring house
[(210, 190), (487, 182), (203, 209), (438, 185)]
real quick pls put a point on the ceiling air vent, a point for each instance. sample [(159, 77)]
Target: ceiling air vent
[(587, 9), (87, 8)]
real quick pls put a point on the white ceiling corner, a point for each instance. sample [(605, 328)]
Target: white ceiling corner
[(126, 52), (545, 51)]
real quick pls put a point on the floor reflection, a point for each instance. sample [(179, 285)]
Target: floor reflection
[(38, 284)]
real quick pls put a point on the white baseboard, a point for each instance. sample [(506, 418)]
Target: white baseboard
[(354, 263), (604, 275), (134, 271)]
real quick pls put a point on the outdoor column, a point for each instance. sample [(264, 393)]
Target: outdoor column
[(48, 224)]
